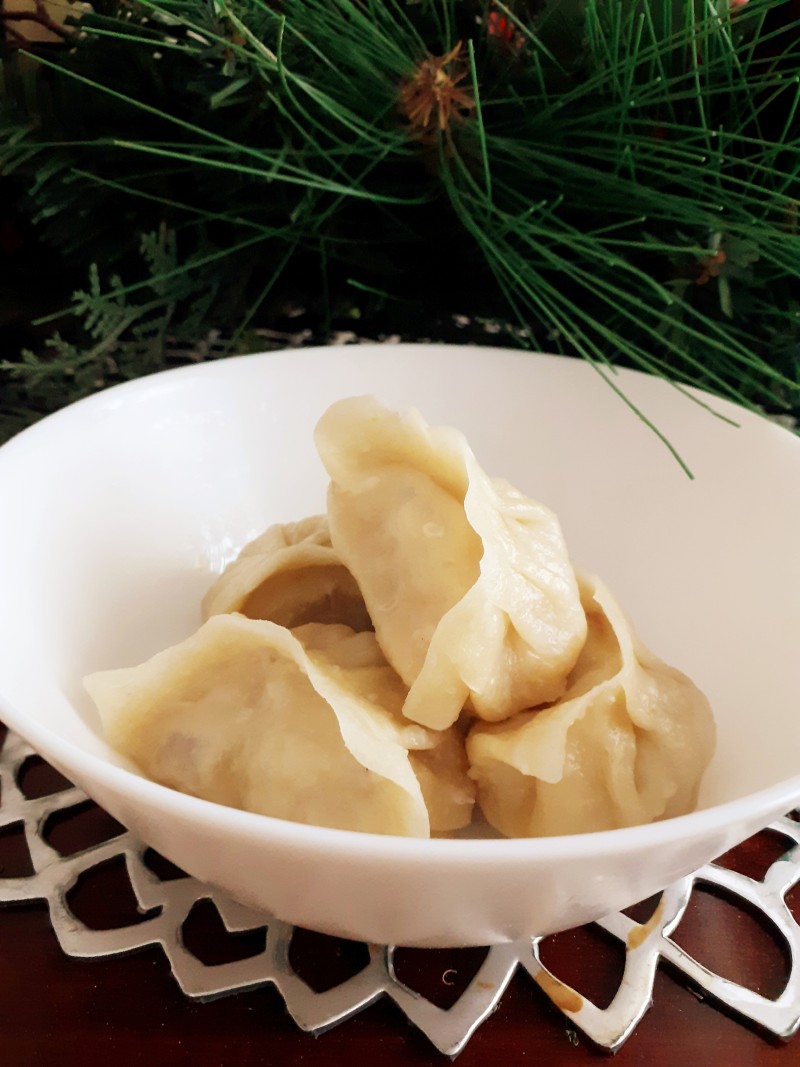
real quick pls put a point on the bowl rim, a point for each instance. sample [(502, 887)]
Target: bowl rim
[(717, 406), (761, 805)]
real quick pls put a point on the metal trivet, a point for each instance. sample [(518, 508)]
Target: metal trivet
[(449, 1030)]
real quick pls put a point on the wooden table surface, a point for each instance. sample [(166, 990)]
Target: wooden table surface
[(126, 1011)]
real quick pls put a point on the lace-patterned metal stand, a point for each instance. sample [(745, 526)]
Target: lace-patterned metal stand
[(449, 1030)]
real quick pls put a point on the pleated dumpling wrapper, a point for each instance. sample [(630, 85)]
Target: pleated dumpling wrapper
[(290, 575), (467, 582), (627, 744), (292, 725)]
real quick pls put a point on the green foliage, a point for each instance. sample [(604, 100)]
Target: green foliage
[(123, 335), (626, 186)]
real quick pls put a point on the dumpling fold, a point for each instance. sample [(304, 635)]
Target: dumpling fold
[(626, 744), (468, 583), (291, 575)]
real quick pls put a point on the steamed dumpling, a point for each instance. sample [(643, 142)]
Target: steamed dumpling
[(242, 713), (467, 582), (291, 576), (627, 744)]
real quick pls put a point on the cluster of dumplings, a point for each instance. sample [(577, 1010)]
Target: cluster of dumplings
[(425, 645)]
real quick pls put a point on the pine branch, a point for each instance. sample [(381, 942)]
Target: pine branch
[(620, 178)]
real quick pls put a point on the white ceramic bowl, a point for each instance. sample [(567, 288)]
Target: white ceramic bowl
[(116, 513)]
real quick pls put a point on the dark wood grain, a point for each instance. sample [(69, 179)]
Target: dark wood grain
[(128, 1011)]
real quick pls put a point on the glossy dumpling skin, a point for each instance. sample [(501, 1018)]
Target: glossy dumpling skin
[(627, 744), (301, 725), (290, 575), (467, 582)]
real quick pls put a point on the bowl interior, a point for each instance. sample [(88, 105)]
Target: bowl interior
[(118, 512)]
